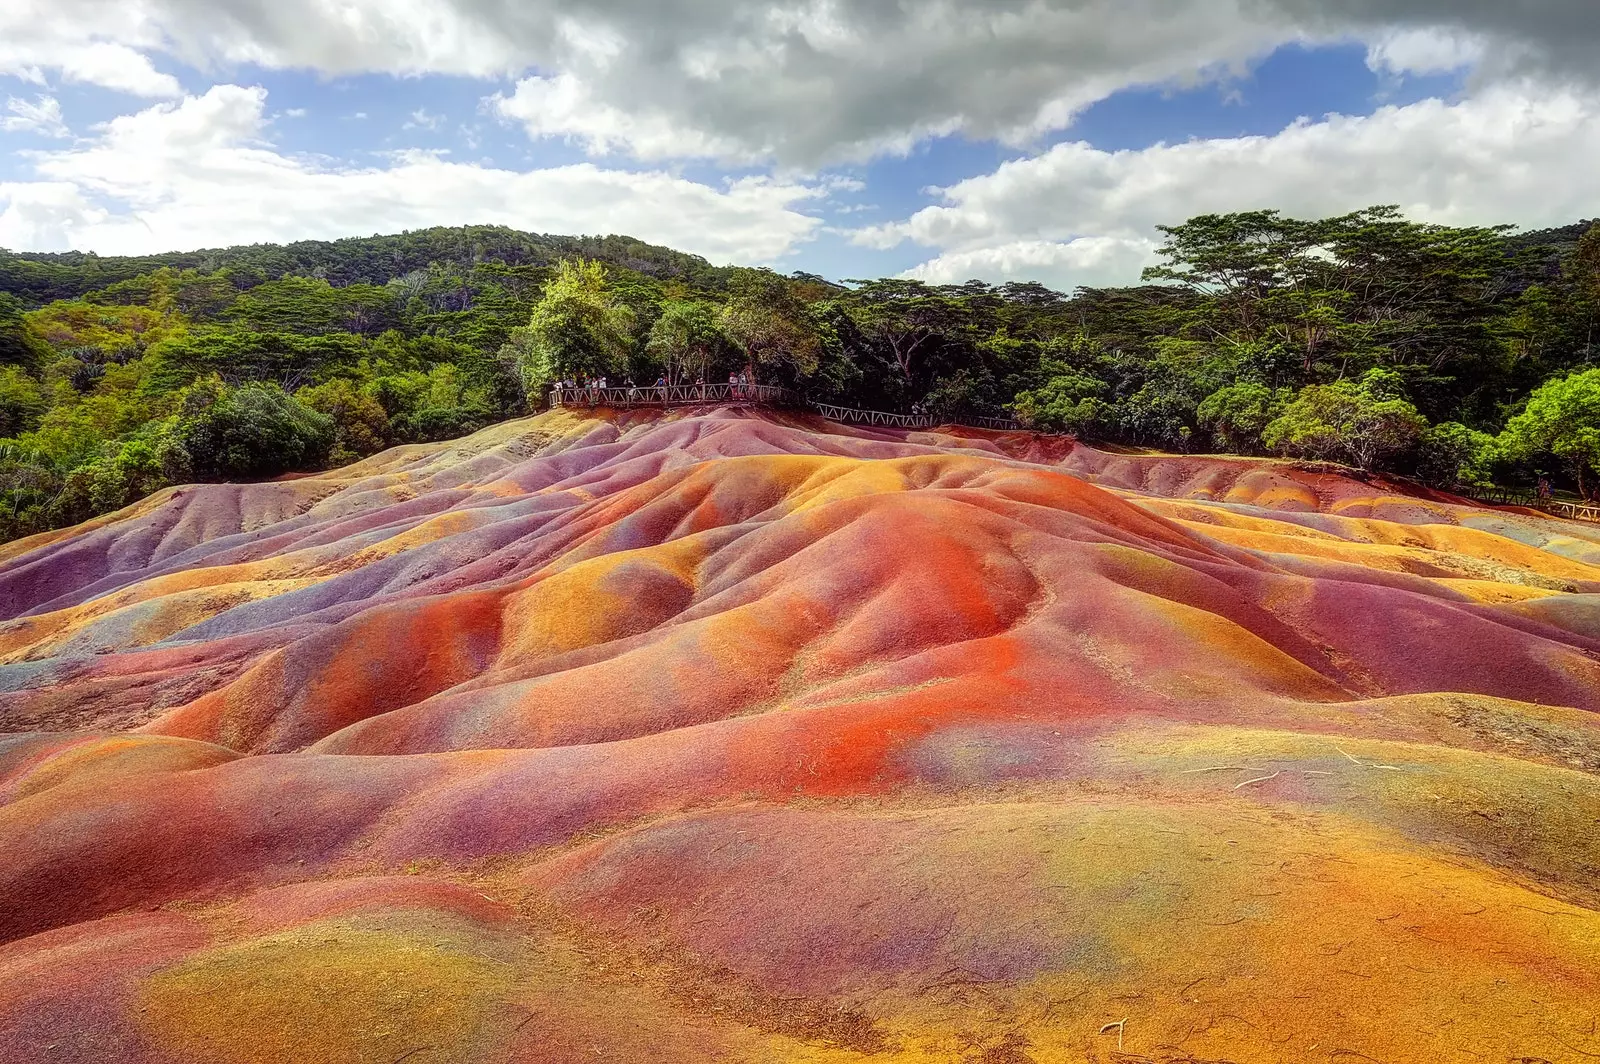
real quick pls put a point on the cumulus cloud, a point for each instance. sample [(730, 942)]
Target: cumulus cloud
[(1078, 215), (95, 44), (199, 172), (800, 82)]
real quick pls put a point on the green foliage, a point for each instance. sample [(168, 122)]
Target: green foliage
[(22, 401), (771, 324), (578, 329), (1237, 414), (1068, 402), (1562, 418), (1364, 424), (360, 422), (1336, 338), (250, 432), (1452, 455), (19, 345), (688, 342)]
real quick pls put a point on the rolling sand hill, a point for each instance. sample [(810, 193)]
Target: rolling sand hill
[(752, 738)]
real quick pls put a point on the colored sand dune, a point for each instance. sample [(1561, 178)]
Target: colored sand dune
[(754, 738)]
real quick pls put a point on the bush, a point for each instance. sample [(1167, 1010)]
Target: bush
[(1364, 424), (250, 432)]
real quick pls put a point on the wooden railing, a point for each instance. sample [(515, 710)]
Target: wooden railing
[(674, 395), (765, 395), (1574, 511), (875, 417)]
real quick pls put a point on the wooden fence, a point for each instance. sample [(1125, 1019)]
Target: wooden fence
[(763, 394), (1574, 511), (673, 395)]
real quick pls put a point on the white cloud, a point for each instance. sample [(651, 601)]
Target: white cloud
[(198, 173), (95, 44), (1412, 51), (43, 117), (1097, 261), (1522, 153), (422, 118), (799, 82), (563, 106)]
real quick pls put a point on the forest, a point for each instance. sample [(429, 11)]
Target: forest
[(1463, 357)]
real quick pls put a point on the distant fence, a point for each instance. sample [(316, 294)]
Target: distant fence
[(764, 395), (1575, 511)]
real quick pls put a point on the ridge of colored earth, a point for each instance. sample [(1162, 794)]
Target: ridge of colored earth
[(746, 736)]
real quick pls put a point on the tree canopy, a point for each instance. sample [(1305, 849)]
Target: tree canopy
[(1458, 355)]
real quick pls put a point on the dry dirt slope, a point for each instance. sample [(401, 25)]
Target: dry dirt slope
[(747, 738)]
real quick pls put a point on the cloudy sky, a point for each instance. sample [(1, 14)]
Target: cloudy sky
[(943, 139)]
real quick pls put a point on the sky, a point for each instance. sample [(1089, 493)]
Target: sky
[(940, 139)]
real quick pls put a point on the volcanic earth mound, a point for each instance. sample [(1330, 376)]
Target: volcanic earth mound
[(744, 736)]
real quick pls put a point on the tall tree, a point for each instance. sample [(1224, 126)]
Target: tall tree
[(578, 328), (1562, 418), (689, 341), (770, 323)]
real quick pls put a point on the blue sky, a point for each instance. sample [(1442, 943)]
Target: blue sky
[(956, 139)]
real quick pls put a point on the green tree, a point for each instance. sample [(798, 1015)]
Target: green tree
[(1069, 402), (253, 431), (909, 319), (1451, 454), (360, 423), (19, 345), (22, 401), (1562, 418), (688, 341), (578, 328), (770, 323), (1583, 269), (1365, 424), (1239, 413)]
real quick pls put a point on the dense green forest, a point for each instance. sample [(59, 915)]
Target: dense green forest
[(1459, 356)]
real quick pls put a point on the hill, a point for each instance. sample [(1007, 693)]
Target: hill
[(747, 736), (40, 278)]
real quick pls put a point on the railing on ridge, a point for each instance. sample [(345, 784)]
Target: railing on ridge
[(1576, 511), (763, 394)]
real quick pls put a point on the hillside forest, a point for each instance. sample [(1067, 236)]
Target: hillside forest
[(1458, 356)]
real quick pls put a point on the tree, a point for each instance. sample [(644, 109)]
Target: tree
[(1365, 424), (1068, 402), (688, 340), (910, 319), (1451, 455), (1562, 418), (250, 432), (1584, 270), (1239, 413), (22, 402), (578, 328), (360, 423), (770, 324), (19, 346)]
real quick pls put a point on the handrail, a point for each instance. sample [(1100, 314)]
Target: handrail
[(765, 394), (1576, 511), (673, 395)]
